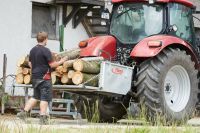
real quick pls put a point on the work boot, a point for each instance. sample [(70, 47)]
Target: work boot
[(44, 119), (23, 115)]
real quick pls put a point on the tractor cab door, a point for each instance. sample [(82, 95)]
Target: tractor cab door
[(181, 16)]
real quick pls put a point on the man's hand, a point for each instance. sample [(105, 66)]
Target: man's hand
[(64, 59)]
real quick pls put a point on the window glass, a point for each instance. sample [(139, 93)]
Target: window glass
[(133, 22), (44, 18), (180, 16)]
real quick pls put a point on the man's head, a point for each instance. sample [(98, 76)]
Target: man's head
[(42, 37)]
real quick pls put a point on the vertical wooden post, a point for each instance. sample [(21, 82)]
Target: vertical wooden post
[(4, 83)]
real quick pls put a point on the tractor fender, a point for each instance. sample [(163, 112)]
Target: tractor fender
[(100, 46), (144, 50)]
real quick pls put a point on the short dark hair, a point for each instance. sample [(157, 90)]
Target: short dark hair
[(41, 36)]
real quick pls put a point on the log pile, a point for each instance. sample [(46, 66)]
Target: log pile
[(23, 72), (74, 71)]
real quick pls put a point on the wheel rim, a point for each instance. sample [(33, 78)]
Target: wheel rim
[(177, 88)]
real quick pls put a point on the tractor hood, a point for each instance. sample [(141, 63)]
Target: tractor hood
[(104, 46)]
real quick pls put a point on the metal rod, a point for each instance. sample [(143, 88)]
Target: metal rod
[(4, 83)]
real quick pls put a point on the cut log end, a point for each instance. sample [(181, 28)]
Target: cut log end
[(77, 78), (55, 78), (65, 79), (19, 70), (78, 65), (25, 71), (23, 61), (70, 74), (27, 79), (19, 78)]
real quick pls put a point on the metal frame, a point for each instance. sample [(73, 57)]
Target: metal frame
[(77, 14), (69, 102)]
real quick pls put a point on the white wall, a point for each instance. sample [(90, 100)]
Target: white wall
[(15, 34)]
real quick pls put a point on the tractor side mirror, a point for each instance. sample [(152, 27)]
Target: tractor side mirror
[(173, 28)]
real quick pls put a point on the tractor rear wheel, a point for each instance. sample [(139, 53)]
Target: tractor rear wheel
[(111, 111), (169, 86), (107, 109)]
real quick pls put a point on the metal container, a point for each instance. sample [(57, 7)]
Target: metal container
[(115, 78)]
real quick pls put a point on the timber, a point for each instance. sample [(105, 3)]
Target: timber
[(70, 74), (80, 78), (68, 63), (65, 79), (25, 71), (19, 70), (59, 70), (71, 54), (92, 67), (23, 61), (19, 78), (27, 79), (55, 78)]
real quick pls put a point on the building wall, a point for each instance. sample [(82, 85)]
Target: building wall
[(197, 4), (15, 35)]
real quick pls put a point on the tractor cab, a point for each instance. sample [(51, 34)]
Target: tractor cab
[(133, 21)]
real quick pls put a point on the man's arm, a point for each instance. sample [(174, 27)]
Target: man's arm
[(55, 64), (30, 65)]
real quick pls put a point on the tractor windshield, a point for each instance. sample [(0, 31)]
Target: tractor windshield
[(133, 22)]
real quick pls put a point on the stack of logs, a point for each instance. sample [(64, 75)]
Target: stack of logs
[(23, 73), (73, 71)]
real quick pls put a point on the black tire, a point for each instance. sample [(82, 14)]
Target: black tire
[(84, 105), (150, 82), (110, 111)]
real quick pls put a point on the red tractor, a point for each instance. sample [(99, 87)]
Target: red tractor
[(159, 41)]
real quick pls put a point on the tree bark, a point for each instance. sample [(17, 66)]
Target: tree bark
[(68, 63), (27, 79), (87, 66), (65, 79), (23, 61), (20, 78), (71, 54), (70, 74), (79, 78)]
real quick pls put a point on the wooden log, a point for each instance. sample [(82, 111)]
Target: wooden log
[(79, 78), (27, 79), (93, 58), (87, 66), (71, 54), (25, 71), (68, 63), (19, 70), (55, 78), (65, 79), (70, 74), (19, 78), (59, 69), (23, 61)]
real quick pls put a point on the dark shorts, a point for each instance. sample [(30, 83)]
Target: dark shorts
[(42, 89)]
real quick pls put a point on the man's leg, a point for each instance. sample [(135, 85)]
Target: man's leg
[(43, 107), (29, 105), (46, 97)]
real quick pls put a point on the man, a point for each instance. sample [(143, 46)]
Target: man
[(41, 63)]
